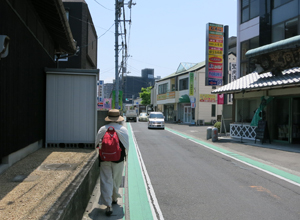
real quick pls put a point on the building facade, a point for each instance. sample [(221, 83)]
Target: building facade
[(108, 88), (267, 87), (262, 22), (183, 96), (36, 37), (84, 32)]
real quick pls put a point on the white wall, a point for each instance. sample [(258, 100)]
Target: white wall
[(203, 109)]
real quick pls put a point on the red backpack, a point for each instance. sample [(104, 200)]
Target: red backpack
[(110, 148)]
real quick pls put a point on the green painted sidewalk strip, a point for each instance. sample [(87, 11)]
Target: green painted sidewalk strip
[(260, 165), (139, 207)]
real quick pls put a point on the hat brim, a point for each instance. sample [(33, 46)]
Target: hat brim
[(116, 119)]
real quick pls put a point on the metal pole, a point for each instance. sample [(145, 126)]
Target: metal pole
[(225, 77), (117, 11), (243, 91)]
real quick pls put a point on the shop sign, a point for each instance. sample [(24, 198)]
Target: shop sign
[(214, 54), (220, 99), (191, 86), (207, 98), (107, 103), (168, 95)]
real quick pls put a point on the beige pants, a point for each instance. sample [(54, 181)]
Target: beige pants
[(110, 181)]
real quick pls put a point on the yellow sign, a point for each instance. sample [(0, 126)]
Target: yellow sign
[(168, 95), (217, 52), (215, 44), (207, 98)]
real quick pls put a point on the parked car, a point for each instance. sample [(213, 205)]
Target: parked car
[(143, 116), (156, 120)]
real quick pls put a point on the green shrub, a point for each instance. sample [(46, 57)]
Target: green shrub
[(218, 125)]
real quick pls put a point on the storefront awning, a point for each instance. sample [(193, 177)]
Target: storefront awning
[(184, 99), (289, 43)]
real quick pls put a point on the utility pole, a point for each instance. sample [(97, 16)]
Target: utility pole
[(120, 4), (117, 13)]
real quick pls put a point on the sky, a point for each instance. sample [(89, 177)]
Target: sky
[(162, 33)]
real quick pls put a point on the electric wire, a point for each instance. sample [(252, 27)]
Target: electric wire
[(103, 5)]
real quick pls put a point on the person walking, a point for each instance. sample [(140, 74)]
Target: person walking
[(111, 171)]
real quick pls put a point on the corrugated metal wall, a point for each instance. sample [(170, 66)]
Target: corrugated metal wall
[(22, 79), (71, 108)]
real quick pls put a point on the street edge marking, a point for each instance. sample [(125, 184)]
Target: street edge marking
[(156, 211), (294, 180)]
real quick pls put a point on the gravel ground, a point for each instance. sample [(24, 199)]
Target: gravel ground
[(29, 188)]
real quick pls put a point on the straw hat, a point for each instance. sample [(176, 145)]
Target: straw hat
[(114, 116)]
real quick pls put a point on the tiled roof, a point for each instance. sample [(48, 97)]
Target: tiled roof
[(255, 81)]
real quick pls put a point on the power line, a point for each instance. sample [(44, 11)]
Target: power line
[(102, 5), (87, 22), (107, 30)]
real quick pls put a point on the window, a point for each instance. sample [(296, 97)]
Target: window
[(277, 3), (285, 30), (213, 110), (245, 46), (163, 88), (250, 9), (184, 84)]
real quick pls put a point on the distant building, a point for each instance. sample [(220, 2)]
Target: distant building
[(132, 85), (108, 88)]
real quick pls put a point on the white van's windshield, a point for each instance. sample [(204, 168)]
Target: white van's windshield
[(154, 115)]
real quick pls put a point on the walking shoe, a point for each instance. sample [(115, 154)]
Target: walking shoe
[(108, 211), (115, 201)]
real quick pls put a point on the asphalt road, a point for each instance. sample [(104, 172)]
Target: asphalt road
[(193, 182)]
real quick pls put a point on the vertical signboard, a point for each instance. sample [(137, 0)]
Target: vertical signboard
[(100, 90), (191, 86), (214, 54), (120, 99)]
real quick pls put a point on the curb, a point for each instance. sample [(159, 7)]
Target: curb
[(73, 202)]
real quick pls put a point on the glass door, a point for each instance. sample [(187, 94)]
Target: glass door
[(187, 116)]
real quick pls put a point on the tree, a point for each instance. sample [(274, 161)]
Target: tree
[(146, 96)]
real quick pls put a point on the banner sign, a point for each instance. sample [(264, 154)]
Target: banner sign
[(191, 86), (120, 99), (220, 99), (168, 95), (107, 103), (207, 98), (214, 54)]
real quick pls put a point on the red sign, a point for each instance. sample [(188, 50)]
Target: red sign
[(220, 99), (215, 59)]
